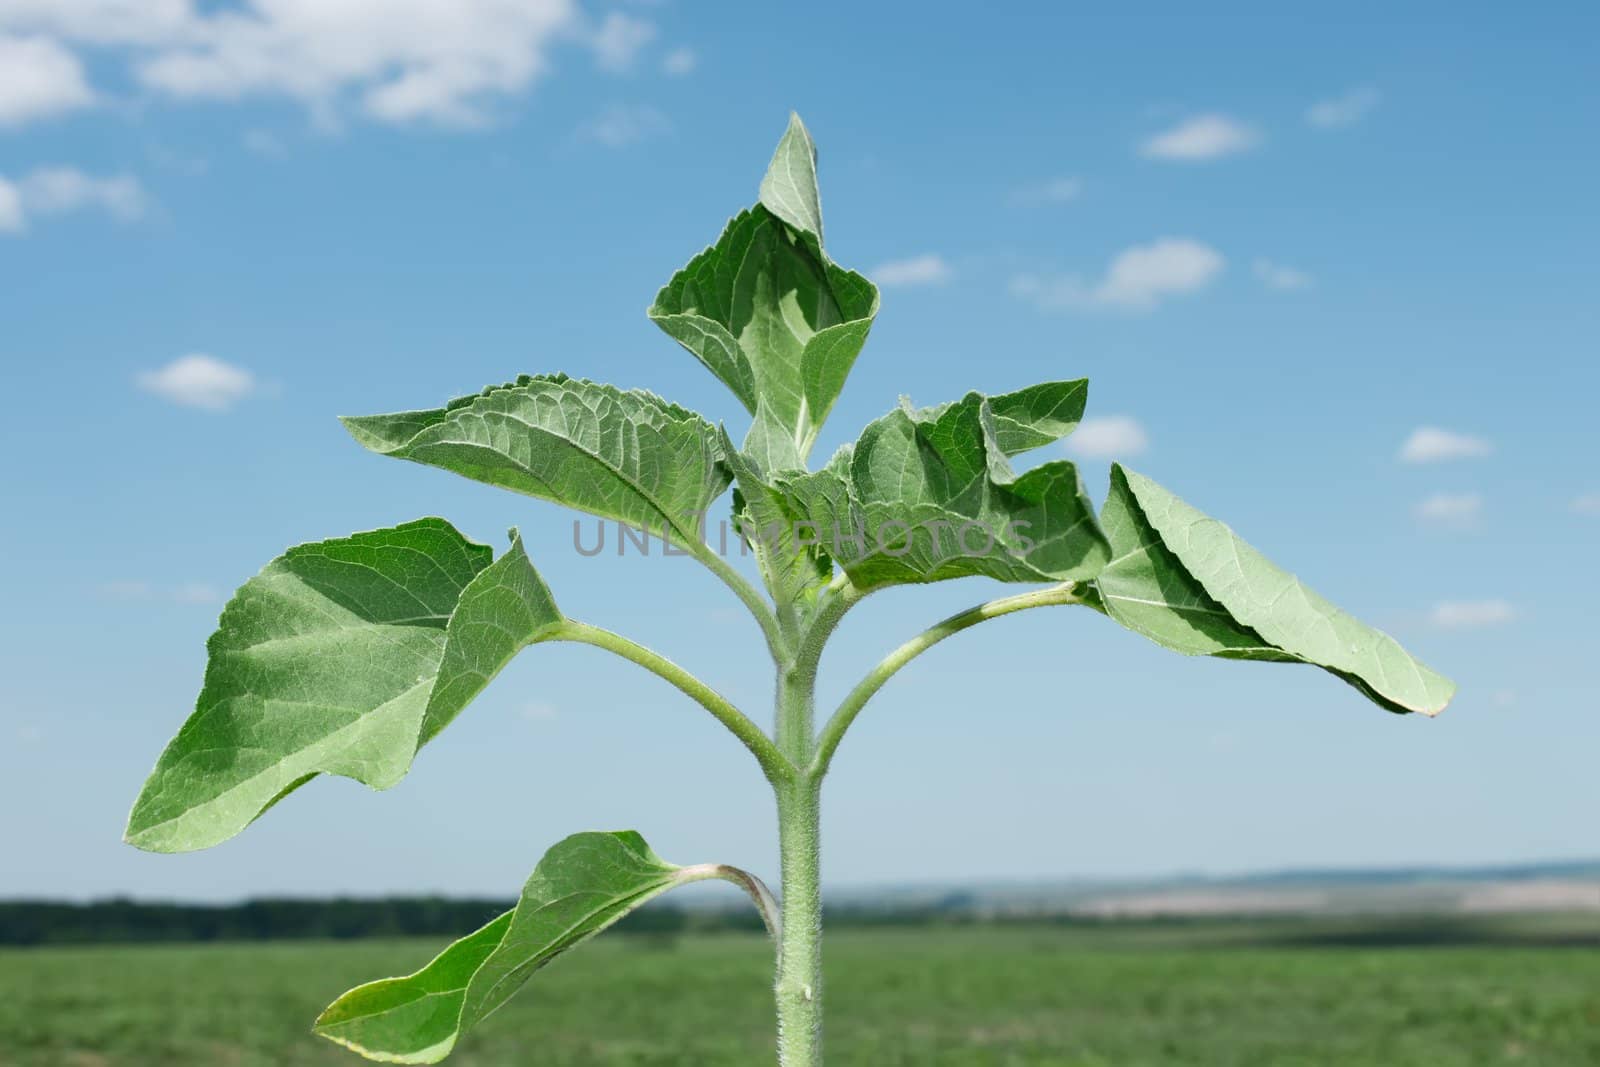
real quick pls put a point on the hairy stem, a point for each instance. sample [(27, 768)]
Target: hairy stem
[(777, 767), (798, 986), (857, 698)]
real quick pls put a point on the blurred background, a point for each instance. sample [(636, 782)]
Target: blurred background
[(1330, 272)]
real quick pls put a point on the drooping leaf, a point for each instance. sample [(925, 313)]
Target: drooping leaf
[(766, 310), (930, 494), (341, 657), (1188, 582), (581, 886), (623, 455)]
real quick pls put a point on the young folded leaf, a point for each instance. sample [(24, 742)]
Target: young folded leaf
[(1188, 582), (929, 494), (765, 517), (581, 886), (623, 455), (341, 657), (767, 311)]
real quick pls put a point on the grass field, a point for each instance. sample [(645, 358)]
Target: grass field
[(1210, 994)]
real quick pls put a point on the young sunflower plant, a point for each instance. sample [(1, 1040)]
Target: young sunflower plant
[(346, 656)]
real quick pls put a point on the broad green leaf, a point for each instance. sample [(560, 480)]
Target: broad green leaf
[(1188, 582), (766, 310), (341, 657), (930, 494), (581, 886), (623, 455)]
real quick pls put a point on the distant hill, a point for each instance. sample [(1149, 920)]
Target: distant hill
[(1441, 892)]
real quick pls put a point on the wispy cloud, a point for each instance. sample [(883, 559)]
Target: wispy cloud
[(1138, 279), (1053, 191), (1108, 437), (418, 61), (619, 39), (680, 61), (539, 711), (1471, 614), (137, 589), (1587, 504), (918, 270), (1346, 109), (264, 143), (38, 79), (13, 219), (620, 126), (1200, 138), (63, 190), (1280, 276), (199, 381), (1451, 509), (1429, 444)]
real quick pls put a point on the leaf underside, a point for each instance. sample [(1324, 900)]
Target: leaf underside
[(581, 886), (1189, 583), (341, 657), (925, 495)]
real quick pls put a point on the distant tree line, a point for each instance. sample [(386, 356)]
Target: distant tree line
[(44, 922)]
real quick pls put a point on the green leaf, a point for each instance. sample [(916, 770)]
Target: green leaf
[(628, 456), (766, 518), (929, 494), (1188, 582), (341, 657), (581, 886), (789, 189), (766, 310)]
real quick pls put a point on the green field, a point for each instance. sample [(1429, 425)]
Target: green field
[(959, 995)]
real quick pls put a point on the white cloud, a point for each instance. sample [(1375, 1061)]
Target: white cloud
[(538, 711), (1429, 444), (1451, 509), (1466, 614), (1587, 504), (1345, 110), (918, 270), (1108, 436), (680, 61), (194, 593), (199, 381), (60, 190), (1138, 279), (1202, 137), (1280, 276), (13, 219), (138, 589), (398, 61), (618, 40), (57, 190), (1054, 191), (38, 79), (265, 144), (620, 126)]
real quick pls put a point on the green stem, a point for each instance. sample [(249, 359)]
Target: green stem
[(851, 706), (778, 769), (798, 986)]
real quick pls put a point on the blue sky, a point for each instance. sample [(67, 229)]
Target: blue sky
[(1331, 276)]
